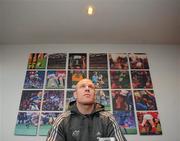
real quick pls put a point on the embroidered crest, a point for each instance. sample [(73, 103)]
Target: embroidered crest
[(98, 134), (75, 133)]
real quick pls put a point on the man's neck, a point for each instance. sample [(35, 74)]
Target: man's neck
[(85, 109)]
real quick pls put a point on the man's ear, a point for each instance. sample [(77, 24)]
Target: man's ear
[(75, 94)]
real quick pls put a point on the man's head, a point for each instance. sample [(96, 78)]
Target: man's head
[(85, 92)]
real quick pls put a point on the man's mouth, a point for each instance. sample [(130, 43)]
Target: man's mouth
[(86, 94)]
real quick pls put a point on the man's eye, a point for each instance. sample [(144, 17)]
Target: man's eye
[(91, 86), (82, 86)]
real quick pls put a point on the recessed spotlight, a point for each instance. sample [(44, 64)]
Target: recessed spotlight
[(91, 10)]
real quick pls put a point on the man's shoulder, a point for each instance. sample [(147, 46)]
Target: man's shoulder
[(106, 114), (61, 117), (64, 114)]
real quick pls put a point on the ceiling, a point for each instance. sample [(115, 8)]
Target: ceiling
[(66, 21)]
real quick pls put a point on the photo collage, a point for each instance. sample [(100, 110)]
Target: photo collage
[(122, 81)]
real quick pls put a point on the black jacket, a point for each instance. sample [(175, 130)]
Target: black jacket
[(73, 126)]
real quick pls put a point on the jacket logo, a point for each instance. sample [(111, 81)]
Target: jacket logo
[(75, 133), (98, 134)]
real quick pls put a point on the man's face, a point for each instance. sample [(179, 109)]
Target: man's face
[(85, 92)]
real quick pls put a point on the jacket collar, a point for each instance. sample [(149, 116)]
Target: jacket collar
[(97, 108)]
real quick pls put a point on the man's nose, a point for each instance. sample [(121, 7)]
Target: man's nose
[(87, 88)]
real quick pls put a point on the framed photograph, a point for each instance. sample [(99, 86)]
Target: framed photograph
[(138, 61), (99, 78), (77, 61), (74, 76), (30, 100), (126, 120), (56, 79), (98, 61), (37, 61), (57, 61), (120, 79), (141, 80), (145, 100), (118, 61), (27, 123), (53, 100), (34, 80), (122, 100), (149, 123), (46, 121), (103, 97)]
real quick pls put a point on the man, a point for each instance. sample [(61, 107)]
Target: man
[(86, 120)]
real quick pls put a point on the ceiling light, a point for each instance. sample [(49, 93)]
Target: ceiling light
[(90, 10)]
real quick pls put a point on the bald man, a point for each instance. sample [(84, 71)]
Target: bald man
[(86, 120)]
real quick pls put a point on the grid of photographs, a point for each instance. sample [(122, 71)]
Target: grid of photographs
[(123, 85)]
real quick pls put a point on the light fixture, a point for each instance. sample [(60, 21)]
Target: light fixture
[(90, 10)]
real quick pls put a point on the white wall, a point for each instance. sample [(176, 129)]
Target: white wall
[(1, 73), (164, 73), (178, 77)]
